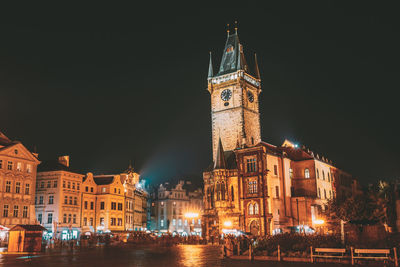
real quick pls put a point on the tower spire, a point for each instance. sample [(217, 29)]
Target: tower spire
[(210, 68), (236, 27), (220, 159), (257, 70)]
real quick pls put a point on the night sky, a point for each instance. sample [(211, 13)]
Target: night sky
[(111, 83)]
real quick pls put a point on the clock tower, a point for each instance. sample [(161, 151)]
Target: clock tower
[(234, 94)]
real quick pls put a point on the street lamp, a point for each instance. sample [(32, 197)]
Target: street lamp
[(227, 223)]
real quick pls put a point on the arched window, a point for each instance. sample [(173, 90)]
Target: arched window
[(256, 208), (223, 191), (232, 194), (307, 173), (218, 191), (251, 211)]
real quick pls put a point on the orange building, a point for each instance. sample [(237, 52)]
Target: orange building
[(17, 183)]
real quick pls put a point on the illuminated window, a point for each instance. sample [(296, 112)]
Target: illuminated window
[(173, 222), (27, 189), (252, 187), (16, 209), (8, 186), (255, 208), (25, 212), (251, 210), (179, 222), (28, 168), (162, 223), (307, 173), (19, 166), (17, 187), (5, 211)]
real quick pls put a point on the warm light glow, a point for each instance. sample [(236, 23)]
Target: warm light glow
[(319, 222), (191, 215), (228, 223)]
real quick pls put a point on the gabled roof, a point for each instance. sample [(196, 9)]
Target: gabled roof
[(55, 165), (4, 140), (28, 227), (103, 179)]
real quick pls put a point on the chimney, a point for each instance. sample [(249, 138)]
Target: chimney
[(64, 160)]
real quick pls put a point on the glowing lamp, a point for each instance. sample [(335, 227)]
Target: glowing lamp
[(191, 215), (228, 223), (319, 222)]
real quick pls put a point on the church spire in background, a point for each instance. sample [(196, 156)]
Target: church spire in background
[(220, 159), (210, 68), (257, 70)]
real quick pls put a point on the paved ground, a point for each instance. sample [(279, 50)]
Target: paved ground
[(184, 255)]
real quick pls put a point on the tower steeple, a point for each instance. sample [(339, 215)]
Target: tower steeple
[(233, 58), (257, 70), (220, 158), (210, 69)]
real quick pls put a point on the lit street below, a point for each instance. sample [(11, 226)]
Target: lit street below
[(182, 255)]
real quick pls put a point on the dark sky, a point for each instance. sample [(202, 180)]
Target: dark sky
[(110, 83)]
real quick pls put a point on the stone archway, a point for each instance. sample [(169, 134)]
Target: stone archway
[(255, 228)]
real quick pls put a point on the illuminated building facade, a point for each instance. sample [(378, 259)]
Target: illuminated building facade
[(17, 183), (253, 186), (58, 198), (177, 209)]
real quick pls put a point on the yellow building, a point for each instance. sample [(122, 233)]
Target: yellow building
[(110, 208), (89, 205), (58, 198), (17, 183)]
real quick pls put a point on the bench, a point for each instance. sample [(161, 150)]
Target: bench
[(327, 253), (372, 254)]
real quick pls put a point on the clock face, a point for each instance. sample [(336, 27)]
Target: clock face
[(250, 96), (226, 94)]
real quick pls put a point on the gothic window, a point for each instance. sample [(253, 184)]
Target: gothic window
[(251, 211), (223, 191), (307, 173), (251, 165), (255, 208), (232, 194)]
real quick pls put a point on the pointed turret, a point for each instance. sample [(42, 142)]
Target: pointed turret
[(220, 159), (239, 61), (210, 68), (257, 70)]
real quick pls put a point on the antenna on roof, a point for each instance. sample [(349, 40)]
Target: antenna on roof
[(236, 27), (227, 30)]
